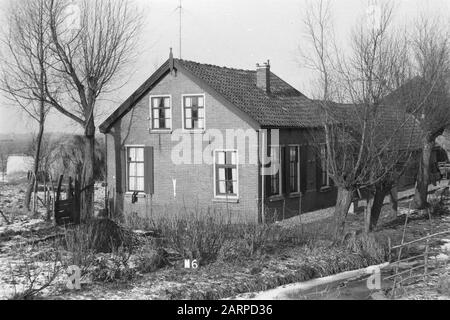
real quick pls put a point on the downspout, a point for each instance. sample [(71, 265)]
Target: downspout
[(106, 178), (263, 218)]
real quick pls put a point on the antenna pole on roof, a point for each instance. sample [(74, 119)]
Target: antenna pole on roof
[(180, 8)]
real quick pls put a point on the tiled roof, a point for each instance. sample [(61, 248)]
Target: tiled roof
[(390, 124), (283, 107)]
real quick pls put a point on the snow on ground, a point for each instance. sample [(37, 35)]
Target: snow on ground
[(17, 236), (161, 284)]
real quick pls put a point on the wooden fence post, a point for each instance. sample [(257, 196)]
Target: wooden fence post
[(427, 250)]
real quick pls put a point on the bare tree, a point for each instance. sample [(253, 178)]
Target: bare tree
[(90, 50), (365, 139), (431, 48), (24, 77)]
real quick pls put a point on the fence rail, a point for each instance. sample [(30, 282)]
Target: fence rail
[(401, 277)]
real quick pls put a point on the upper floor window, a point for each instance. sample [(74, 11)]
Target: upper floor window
[(161, 113), (194, 112)]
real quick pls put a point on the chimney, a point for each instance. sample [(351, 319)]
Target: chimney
[(171, 62), (263, 76)]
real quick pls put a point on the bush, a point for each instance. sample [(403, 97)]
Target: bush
[(253, 239), (195, 236), (77, 242), (107, 236), (148, 259), (206, 237), (367, 246), (135, 222), (113, 267), (256, 237), (102, 249), (98, 236)]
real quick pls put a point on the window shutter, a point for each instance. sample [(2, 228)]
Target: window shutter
[(319, 170), (286, 170), (149, 175), (267, 180), (121, 180), (311, 169), (303, 168)]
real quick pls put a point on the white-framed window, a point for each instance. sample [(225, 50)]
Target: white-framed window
[(326, 181), (226, 174), (275, 185), (161, 113), (294, 169), (135, 169), (193, 112)]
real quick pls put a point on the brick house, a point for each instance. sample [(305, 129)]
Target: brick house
[(187, 106), (195, 137)]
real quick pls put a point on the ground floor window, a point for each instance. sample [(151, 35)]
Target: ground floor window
[(294, 169), (135, 169), (275, 177), (226, 173)]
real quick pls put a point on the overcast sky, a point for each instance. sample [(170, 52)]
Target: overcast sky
[(233, 33)]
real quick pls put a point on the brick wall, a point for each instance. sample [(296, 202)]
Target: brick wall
[(195, 182)]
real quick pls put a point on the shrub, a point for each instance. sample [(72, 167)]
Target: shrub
[(108, 236), (98, 236), (253, 239), (135, 222), (367, 246), (77, 242), (101, 236), (148, 259), (113, 267), (195, 236), (206, 237)]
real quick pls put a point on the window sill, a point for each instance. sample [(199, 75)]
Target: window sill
[(194, 131), (325, 189), (226, 200), (166, 131), (275, 198), (140, 195), (294, 195)]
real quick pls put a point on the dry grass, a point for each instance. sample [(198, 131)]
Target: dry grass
[(443, 285)]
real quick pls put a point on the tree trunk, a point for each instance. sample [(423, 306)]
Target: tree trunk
[(87, 176), (28, 193), (423, 176), (394, 199), (344, 200), (373, 211), (32, 182)]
